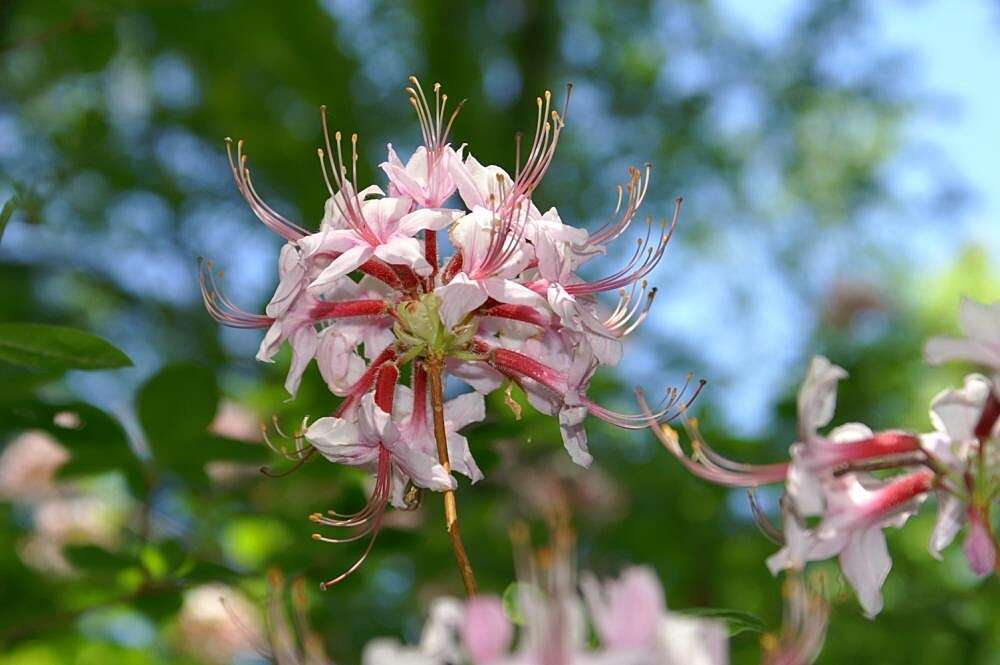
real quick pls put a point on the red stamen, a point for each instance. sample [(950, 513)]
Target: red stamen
[(899, 492), (385, 388), (517, 365), (345, 309), (523, 313), (418, 416), (991, 412), (364, 384)]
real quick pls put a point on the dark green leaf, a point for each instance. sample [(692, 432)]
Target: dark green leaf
[(175, 408), (179, 402), (45, 346), (93, 558)]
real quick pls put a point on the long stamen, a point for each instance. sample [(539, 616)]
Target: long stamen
[(265, 213), (371, 517), (669, 409), (635, 269), (636, 188), (746, 476), (770, 531), (432, 125), (220, 307), (345, 198)]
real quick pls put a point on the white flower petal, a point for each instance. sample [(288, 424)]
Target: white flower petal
[(402, 251), (464, 410), (483, 378), (574, 435), (950, 517), (866, 564), (304, 342), (433, 219), (459, 297), (339, 441), (341, 266), (956, 412), (818, 395)]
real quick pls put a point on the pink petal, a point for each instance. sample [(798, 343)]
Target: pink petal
[(486, 631), (980, 547)]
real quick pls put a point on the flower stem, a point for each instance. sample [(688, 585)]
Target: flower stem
[(434, 372)]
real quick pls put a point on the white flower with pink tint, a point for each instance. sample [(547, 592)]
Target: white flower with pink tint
[(851, 528), (981, 344)]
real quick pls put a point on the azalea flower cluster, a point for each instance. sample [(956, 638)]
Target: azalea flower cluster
[(845, 486), (372, 299)]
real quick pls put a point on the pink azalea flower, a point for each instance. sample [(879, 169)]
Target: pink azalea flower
[(374, 434), (380, 228), (555, 379), (489, 261), (815, 457), (626, 611), (373, 440), (851, 528), (506, 306)]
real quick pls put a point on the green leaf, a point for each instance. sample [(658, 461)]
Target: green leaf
[(178, 402), (512, 601), (176, 407), (5, 213), (737, 620), (43, 346), (94, 558)]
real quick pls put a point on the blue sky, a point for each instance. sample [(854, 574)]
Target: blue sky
[(953, 58), (955, 52)]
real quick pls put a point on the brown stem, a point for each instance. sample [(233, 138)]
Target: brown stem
[(434, 370)]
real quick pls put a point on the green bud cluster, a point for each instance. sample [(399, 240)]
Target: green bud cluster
[(421, 334)]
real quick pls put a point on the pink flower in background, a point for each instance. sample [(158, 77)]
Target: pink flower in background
[(486, 631), (981, 345), (832, 477)]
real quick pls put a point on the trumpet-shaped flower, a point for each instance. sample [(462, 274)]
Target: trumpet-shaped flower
[(851, 528)]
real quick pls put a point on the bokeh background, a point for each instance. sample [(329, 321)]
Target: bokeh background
[(838, 162)]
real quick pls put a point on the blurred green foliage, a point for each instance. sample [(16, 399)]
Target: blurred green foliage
[(114, 114)]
